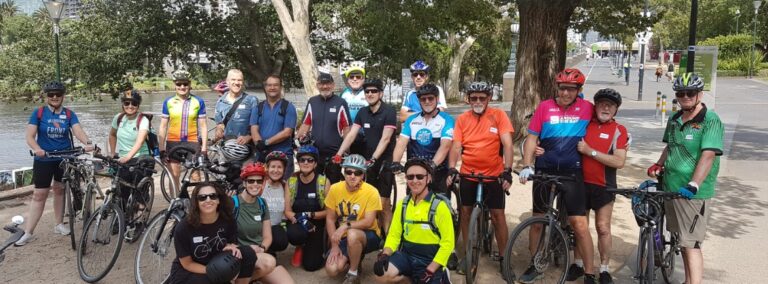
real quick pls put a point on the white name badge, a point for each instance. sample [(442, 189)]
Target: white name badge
[(241, 107), (311, 195), (333, 109), (554, 119), (425, 226), (689, 137), (603, 135), (197, 240), (63, 116), (494, 130), (356, 207), (257, 218), (367, 125)]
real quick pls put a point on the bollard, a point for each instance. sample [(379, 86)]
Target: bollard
[(663, 109), (674, 105), (658, 104)]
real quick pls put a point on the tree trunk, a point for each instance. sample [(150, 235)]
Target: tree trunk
[(296, 28), (456, 59), (543, 27)]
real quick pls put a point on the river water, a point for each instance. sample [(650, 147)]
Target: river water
[(95, 118)]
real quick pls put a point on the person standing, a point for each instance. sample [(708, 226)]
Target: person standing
[(272, 124), (353, 94), (234, 123), (411, 103), (691, 162)]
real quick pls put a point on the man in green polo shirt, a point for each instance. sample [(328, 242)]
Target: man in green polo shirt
[(690, 161)]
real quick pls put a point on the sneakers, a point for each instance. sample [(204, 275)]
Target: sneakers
[(62, 229), (296, 260), (590, 279), (351, 279), (574, 272), (605, 278), (26, 238), (529, 275)]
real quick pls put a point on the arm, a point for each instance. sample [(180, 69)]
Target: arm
[(447, 243), (402, 142), (442, 152), (136, 145), (112, 141), (395, 233), (330, 224), (161, 133), (190, 265), (663, 157), (365, 223), (405, 113), (289, 214), (255, 136), (509, 149), (203, 126), (454, 155), (303, 130), (385, 137), (80, 134), (529, 149), (322, 213), (615, 160), (280, 136), (266, 233), (703, 166), (348, 139), (30, 136)]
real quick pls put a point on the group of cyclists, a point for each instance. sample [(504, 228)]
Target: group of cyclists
[(330, 197)]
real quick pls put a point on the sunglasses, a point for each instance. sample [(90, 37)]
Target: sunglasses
[(419, 75), (427, 99), (182, 84), (51, 95), (306, 160), (130, 103), (353, 172), (686, 94), (416, 176), (253, 180), (568, 88), (203, 197), (374, 91), (478, 99), (356, 77)]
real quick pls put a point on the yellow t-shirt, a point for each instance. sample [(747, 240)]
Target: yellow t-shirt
[(352, 206)]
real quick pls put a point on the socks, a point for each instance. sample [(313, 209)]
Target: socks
[(353, 273), (603, 268), (579, 263)]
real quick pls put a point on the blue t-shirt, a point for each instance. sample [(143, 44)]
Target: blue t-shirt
[(271, 122), (425, 135), (355, 101), (239, 123), (53, 130), (411, 102)]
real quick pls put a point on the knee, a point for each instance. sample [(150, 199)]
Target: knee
[(265, 262), (355, 236), (580, 226), (498, 215), (332, 269), (604, 229), (39, 195)]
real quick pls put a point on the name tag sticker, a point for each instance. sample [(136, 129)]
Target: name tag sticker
[(356, 207), (425, 226), (197, 240), (689, 137), (257, 218), (554, 119), (494, 130), (333, 109), (603, 135), (367, 125), (63, 116), (241, 107), (312, 195)]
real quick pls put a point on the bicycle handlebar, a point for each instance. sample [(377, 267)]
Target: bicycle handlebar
[(69, 153), (629, 192), (542, 177), (481, 178)]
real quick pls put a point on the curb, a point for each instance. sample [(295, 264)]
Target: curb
[(16, 193)]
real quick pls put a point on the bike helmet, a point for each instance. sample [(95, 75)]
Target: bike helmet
[(180, 75), (222, 268), (355, 67), (419, 65), (308, 150), (255, 169), (479, 87), (570, 76), (355, 161), (688, 82), (637, 208), (131, 95), (276, 155), (233, 151), (424, 163), (373, 83), (609, 94), (54, 86), (428, 89)]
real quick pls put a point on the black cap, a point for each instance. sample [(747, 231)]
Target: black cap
[(325, 78), (373, 83)]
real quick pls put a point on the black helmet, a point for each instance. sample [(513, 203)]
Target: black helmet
[(222, 267), (424, 163), (54, 86), (132, 95), (373, 83), (479, 87), (609, 94), (427, 89)]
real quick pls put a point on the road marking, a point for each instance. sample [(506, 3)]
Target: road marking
[(590, 70)]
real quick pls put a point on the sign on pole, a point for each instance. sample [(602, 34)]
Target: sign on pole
[(407, 82), (705, 65)]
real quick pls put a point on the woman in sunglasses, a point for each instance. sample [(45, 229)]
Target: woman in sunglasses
[(276, 195), (208, 229), (254, 225), (129, 129), (306, 211)]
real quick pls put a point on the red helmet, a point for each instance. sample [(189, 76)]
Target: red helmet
[(256, 169), (570, 76)]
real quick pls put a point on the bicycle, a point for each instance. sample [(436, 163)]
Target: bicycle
[(481, 231), (16, 234), (98, 250), (551, 249), (156, 249), (656, 247)]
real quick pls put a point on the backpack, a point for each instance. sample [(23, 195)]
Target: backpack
[(69, 121), (263, 207), (321, 180), (151, 140), (437, 198)]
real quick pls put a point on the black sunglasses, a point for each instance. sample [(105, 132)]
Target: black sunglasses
[(427, 99), (130, 103), (51, 95), (687, 94), (415, 176), (253, 180), (353, 172), (373, 91), (477, 99), (355, 77), (182, 84), (203, 197), (419, 74), (306, 160)]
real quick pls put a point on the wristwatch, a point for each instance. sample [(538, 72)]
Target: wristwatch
[(593, 154)]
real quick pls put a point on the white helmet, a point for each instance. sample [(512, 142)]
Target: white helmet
[(235, 152)]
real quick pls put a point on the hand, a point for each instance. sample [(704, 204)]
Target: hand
[(261, 145), (396, 167), (688, 191), (334, 254), (381, 264), (242, 140), (257, 249), (336, 159), (40, 153), (123, 160), (370, 162), (231, 192), (506, 177), (163, 156), (88, 147), (583, 147), (539, 151), (218, 133), (336, 237), (654, 170), (235, 251), (525, 174), (426, 277)]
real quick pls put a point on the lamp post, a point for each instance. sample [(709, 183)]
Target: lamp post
[(754, 35), (641, 73), (55, 9), (738, 15), (511, 67), (509, 76)]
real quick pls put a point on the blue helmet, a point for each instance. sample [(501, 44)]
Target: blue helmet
[(419, 65), (308, 150)]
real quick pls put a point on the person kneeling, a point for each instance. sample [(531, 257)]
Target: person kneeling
[(421, 237)]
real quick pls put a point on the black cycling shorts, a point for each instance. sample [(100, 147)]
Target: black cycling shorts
[(381, 179), (573, 193), (596, 196), (43, 172), (493, 194), (172, 145)]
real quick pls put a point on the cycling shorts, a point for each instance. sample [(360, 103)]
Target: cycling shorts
[(596, 196), (573, 193), (45, 171), (413, 267), (493, 194), (381, 179), (170, 145)]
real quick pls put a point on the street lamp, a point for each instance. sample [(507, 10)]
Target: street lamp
[(645, 36), (513, 54), (754, 35), (738, 15), (55, 9)]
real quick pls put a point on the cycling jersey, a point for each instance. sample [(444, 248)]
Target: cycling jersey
[(127, 132), (182, 115), (480, 139), (416, 236), (327, 118), (238, 124), (605, 138), (355, 101), (425, 135), (411, 102), (53, 130), (560, 130), (373, 124)]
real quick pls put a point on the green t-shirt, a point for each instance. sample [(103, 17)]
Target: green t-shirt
[(249, 222), (127, 134), (685, 143)]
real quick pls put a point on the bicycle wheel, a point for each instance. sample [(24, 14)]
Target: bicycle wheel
[(488, 236), (156, 252), (541, 259), (645, 257), (71, 214), (100, 245), (668, 257), (165, 185), (474, 245), (89, 201), (139, 207)]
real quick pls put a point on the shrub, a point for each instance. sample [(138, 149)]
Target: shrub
[(730, 46)]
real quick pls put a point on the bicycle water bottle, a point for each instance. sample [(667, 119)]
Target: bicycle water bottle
[(657, 238)]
